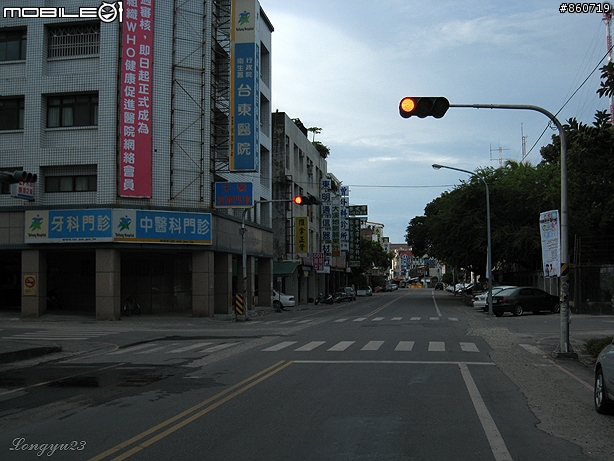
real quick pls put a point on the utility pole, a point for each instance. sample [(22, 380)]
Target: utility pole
[(564, 348)]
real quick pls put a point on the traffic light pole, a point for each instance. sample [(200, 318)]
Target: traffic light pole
[(564, 347)]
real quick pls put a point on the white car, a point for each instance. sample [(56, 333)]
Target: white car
[(481, 301), (604, 377), (281, 300)]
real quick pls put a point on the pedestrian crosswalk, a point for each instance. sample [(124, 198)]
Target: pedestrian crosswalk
[(374, 345), (355, 319), (63, 334), (161, 349)]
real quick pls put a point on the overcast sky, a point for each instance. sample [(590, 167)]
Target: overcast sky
[(344, 65)]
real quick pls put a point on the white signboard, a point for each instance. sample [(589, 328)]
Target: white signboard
[(549, 226)]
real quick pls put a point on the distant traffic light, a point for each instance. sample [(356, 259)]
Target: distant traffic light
[(17, 176), (423, 107), (306, 200)]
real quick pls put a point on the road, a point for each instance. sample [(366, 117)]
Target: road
[(407, 375)]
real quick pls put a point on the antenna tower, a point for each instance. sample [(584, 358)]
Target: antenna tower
[(524, 143), (500, 150), (607, 18)]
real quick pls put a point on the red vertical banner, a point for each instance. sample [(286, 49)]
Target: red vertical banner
[(135, 110)]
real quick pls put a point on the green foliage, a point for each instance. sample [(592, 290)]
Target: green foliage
[(454, 228), (321, 148), (372, 254), (594, 346)]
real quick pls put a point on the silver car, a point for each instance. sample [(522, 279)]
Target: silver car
[(604, 380)]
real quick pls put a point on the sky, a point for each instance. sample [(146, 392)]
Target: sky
[(344, 66)]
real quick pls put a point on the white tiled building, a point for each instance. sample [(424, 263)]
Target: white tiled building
[(63, 107)]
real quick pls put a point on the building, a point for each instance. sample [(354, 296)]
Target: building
[(298, 170), (126, 115)]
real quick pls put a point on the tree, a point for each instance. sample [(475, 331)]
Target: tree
[(454, 227), (315, 130)]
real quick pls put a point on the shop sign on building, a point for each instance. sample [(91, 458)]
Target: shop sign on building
[(301, 230), (135, 100), (117, 225), (234, 195), (244, 86)]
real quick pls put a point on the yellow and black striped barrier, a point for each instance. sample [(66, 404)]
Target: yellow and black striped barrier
[(240, 304)]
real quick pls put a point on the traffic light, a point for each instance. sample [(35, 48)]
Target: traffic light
[(306, 200), (17, 176), (423, 107)]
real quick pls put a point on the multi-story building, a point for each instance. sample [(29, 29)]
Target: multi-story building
[(126, 115), (298, 170)]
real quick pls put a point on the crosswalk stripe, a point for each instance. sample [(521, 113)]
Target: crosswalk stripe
[(360, 319), (415, 318), (437, 346), (397, 318), (279, 346), (310, 346), (219, 347), (405, 346), (372, 346), (341, 320), (155, 349), (188, 348), (377, 319), (469, 347), (305, 321), (131, 349), (341, 346)]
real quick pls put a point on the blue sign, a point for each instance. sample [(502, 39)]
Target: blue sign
[(245, 108), (162, 226), (119, 225), (234, 195)]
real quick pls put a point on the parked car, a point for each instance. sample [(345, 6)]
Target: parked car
[(282, 300), (480, 301), (439, 286), (364, 291), (604, 377), (350, 292), (342, 295), (520, 299)]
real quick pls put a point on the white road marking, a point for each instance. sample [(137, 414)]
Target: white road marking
[(341, 346), (437, 346), (372, 346), (497, 445), (405, 346)]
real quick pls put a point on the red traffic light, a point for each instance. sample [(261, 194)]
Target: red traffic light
[(305, 200), (423, 107)]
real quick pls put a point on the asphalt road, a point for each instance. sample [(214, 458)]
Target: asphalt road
[(407, 375)]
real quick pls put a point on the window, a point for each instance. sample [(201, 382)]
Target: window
[(73, 40), (80, 183), (11, 114), (13, 45), (72, 110)]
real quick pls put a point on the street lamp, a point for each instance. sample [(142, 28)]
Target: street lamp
[(489, 248)]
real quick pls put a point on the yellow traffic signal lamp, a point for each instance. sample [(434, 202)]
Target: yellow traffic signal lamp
[(306, 200), (422, 107)]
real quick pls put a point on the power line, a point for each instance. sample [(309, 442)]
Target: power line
[(566, 102)]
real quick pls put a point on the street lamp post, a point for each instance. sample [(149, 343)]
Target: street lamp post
[(489, 246)]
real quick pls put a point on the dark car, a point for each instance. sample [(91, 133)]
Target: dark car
[(520, 299)]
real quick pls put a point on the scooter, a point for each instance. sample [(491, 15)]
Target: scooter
[(131, 307), (324, 299)]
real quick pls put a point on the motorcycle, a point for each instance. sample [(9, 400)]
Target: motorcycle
[(328, 299), (131, 307)]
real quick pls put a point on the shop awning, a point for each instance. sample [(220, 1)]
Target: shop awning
[(285, 267)]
